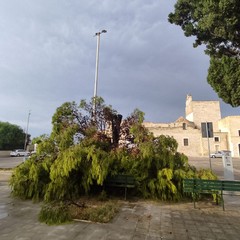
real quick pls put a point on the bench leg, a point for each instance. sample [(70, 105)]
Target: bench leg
[(125, 193), (222, 200), (194, 202)]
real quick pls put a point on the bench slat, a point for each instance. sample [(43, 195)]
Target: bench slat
[(210, 186), (121, 180)]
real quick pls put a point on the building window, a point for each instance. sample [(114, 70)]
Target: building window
[(216, 139), (184, 126), (185, 142), (238, 132)]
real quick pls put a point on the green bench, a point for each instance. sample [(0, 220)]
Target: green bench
[(196, 186), (122, 181)]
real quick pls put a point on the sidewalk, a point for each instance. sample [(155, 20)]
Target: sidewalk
[(146, 220)]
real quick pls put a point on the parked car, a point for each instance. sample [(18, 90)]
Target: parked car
[(19, 152), (217, 154)]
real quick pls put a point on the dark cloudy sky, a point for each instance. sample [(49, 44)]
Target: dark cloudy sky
[(47, 57)]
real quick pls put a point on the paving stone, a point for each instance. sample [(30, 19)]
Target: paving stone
[(137, 220)]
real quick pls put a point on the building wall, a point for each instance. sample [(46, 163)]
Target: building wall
[(231, 125), (203, 111), (219, 141), (226, 131), (193, 137), (177, 131), (197, 146), (189, 108)]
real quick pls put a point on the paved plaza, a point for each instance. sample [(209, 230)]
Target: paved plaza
[(137, 220)]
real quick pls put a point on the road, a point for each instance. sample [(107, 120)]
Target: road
[(10, 162), (217, 165), (198, 162)]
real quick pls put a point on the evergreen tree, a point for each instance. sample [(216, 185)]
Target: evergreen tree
[(11, 136), (216, 24)]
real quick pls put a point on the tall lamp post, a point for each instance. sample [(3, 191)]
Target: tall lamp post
[(26, 136), (96, 70)]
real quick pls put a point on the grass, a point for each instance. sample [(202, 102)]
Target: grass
[(54, 213), (88, 209), (95, 211)]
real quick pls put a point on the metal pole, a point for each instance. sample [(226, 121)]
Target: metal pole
[(97, 63), (96, 70), (26, 136), (210, 163)]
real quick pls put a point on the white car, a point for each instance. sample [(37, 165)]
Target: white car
[(18, 153), (217, 154)]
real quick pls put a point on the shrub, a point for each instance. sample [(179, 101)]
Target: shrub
[(82, 151), (101, 213), (54, 213)]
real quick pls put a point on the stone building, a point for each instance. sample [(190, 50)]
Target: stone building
[(188, 131)]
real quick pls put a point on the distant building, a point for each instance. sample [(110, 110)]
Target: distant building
[(188, 132)]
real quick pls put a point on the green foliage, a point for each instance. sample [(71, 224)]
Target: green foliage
[(29, 180), (102, 213), (102, 196), (40, 139), (80, 154), (11, 136), (224, 77), (206, 174), (216, 24), (76, 170), (54, 213), (158, 168)]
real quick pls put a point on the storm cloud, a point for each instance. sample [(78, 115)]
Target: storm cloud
[(48, 54)]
